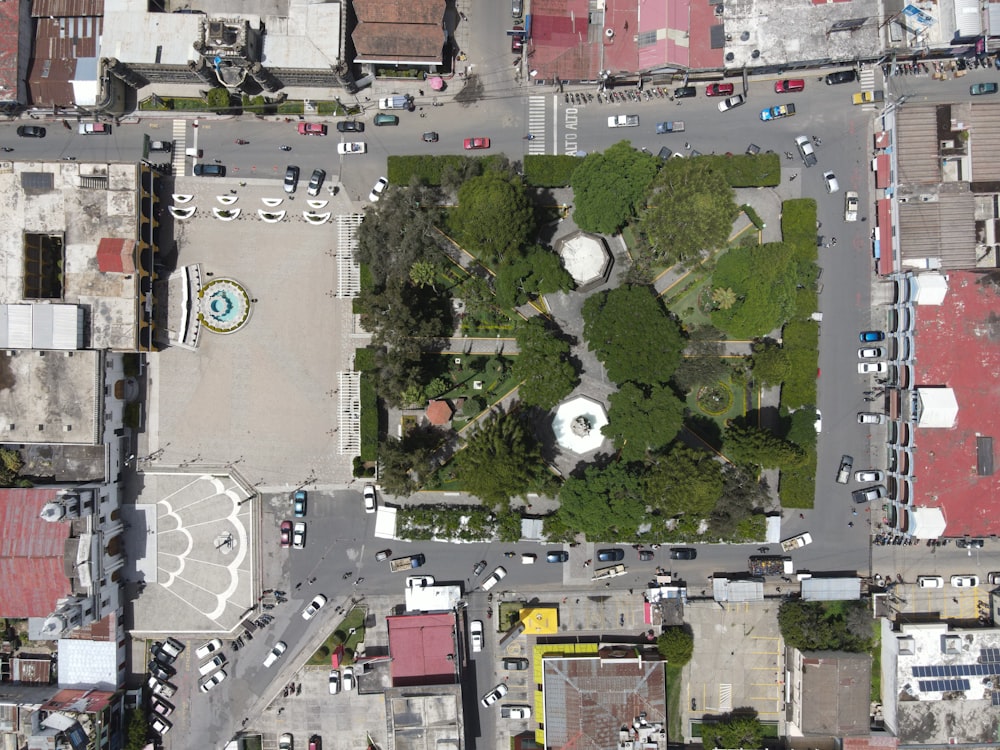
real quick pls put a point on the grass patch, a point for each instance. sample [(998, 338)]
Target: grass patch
[(353, 620), (876, 653), (673, 676)]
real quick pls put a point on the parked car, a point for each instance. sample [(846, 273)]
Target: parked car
[(868, 494), (299, 500), (160, 725), (334, 682), (515, 712), (286, 533), (209, 170), (719, 89), (385, 119), (476, 635), (515, 664), (161, 671), (517, 39), (844, 471), (557, 556), (173, 647), (376, 194), (840, 76), (964, 582), (352, 147), (476, 143), (429, 137), (495, 577), (516, 8), (806, 150), (212, 681), (30, 131), (871, 352), (868, 475), (479, 568), (494, 695), (314, 606), (611, 555), (419, 582), (312, 128), (207, 649), (930, 582), (978, 89), (869, 336), (683, 553), (161, 146), (851, 206), (731, 103), (872, 368), (347, 675), (870, 417), (970, 543), (211, 665), (830, 181), (299, 535), (291, 178), (993, 578), (685, 92), (94, 128), (285, 742), (162, 689), (383, 554), (315, 742), (789, 85), (350, 126), (275, 653), (316, 182), (645, 555)]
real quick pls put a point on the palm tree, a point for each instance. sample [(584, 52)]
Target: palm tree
[(423, 273), (723, 298)]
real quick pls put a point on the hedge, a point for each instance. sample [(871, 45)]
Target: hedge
[(546, 171), (744, 170), (369, 419), (424, 522), (428, 169)]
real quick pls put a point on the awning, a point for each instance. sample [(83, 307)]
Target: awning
[(927, 523), (883, 139), (884, 213), (882, 167)]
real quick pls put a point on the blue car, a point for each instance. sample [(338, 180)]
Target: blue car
[(299, 503), (867, 336)]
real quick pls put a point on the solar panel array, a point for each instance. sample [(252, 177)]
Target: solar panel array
[(989, 654), (943, 686), (958, 670)]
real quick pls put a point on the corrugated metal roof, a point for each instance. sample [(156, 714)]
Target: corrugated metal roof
[(10, 47), (916, 146), (67, 8), (831, 589), (944, 228)]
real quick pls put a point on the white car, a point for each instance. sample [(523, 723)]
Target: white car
[(872, 368), (419, 581), (874, 352), (850, 206), (285, 741), (211, 665), (348, 675), (495, 577), (275, 653), (356, 147), (964, 582), (731, 103), (314, 606), (869, 475), (515, 712), (806, 150), (334, 682), (203, 652), (369, 494), (870, 417), (494, 695), (930, 582), (214, 680), (299, 535), (161, 726), (476, 635), (376, 194), (830, 180)]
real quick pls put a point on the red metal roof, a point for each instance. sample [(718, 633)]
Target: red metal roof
[(82, 701), (115, 255), (31, 555), (884, 212), (420, 646), (10, 45), (883, 166), (883, 139), (955, 346)]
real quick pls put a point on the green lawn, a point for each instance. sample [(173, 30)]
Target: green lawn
[(675, 731)]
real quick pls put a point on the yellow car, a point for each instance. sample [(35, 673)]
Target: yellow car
[(867, 97)]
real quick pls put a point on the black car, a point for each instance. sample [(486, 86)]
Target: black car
[(480, 567), (665, 153), (161, 671), (841, 76), (611, 555), (683, 553), (685, 92), (291, 178), (30, 131), (557, 556), (209, 170), (350, 126), (516, 664), (316, 181), (430, 137), (645, 555)]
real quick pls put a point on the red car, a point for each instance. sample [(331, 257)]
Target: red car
[(474, 143), (312, 128), (517, 39), (787, 87), (719, 89), (286, 533)]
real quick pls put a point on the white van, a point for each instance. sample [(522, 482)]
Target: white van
[(396, 101), (211, 665)]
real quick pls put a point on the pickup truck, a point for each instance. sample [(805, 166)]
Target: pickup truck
[(623, 121), (610, 572), (867, 97), (406, 563), (355, 147), (777, 112), (844, 472), (850, 206), (799, 540), (770, 565), (94, 128), (670, 127)]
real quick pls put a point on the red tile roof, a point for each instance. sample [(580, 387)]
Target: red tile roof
[(409, 31), (31, 555), (420, 646), (439, 412), (116, 255), (957, 345), (66, 32)]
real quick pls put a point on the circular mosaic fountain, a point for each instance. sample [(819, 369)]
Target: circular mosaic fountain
[(223, 306)]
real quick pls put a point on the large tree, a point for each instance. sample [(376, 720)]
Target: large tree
[(539, 271), (401, 310), (738, 729), (493, 218), (752, 446), (676, 645), (702, 363), (770, 363), (543, 365), (684, 481), (643, 418), (605, 505), (690, 211), (762, 279), (609, 188), (631, 333), (826, 626), (502, 460)]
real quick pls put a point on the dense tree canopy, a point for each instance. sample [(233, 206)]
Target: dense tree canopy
[(605, 505), (770, 363), (398, 233), (502, 460), (543, 365), (703, 363), (405, 463), (691, 210), (753, 446), (676, 645), (764, 285), (630, 332), (493, 218), (742, 498), (521, 278), (609, 188), (684, 481), (736, 730), (826, 626), (643, 418)]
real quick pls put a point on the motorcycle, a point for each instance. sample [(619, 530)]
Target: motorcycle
[(509, 554), (489, 613), (347, 575), (241, 142), (283, 147)]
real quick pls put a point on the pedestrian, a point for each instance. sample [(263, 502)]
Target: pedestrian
[(954, 600), (850, 524), (854, 512), (833, 240), (420, 91), (462, 16), (778, 589), (209, 273), (802, 515), (792, 178)]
